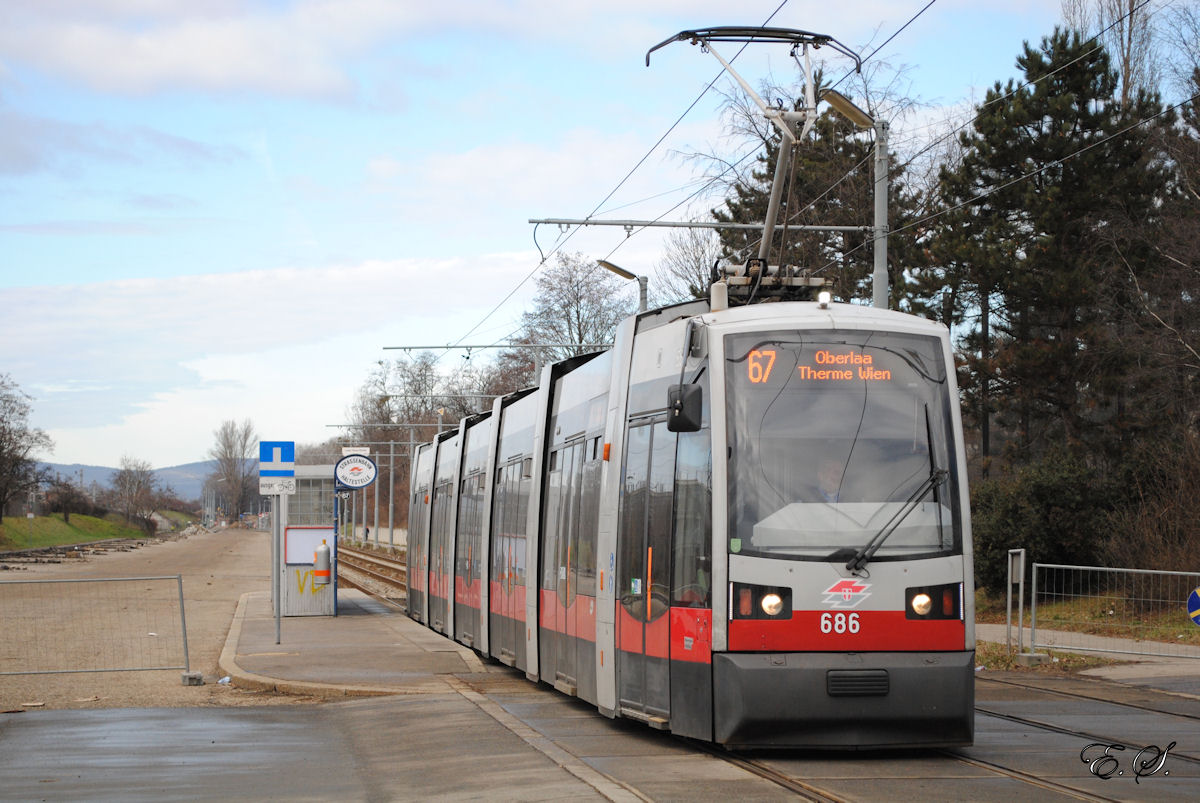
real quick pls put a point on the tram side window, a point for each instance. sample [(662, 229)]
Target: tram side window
[(524, 484), (692, 547), (552, 526), (633, 520)]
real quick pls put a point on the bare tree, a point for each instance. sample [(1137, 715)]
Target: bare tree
[(133, 489), (66, 497), (234, 451), (19, 445), (318, 454), (1125, 28), (685, 270), (577, 302), (1181, 36)]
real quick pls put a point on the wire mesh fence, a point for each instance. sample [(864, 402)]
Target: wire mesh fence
[(1097, 609), (94, 625)]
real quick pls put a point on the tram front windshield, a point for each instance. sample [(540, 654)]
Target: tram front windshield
[(838, 439)]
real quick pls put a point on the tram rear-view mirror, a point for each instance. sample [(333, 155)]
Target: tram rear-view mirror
[(684, 404)]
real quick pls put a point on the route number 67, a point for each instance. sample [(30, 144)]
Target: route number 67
[(839, 623)]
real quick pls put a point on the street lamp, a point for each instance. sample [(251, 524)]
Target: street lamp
[(845, 107), (624, 274)]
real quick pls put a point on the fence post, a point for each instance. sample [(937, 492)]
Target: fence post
[(1033, 610), (1017, 555), (187, 661)]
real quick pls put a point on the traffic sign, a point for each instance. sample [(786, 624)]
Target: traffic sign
[(355, 471), (1194, 606), (276, 459)]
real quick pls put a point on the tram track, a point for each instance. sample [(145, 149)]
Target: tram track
[(380, 575), (1140, 700), (802, 788), (384, 576), (1167, 708), (67, 552)]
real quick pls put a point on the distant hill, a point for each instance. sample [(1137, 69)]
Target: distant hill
[(186, 480)]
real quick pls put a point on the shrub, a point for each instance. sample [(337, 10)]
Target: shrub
[(1056, 509)]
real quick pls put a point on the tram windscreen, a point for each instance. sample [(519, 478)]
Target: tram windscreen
[(835, 438)]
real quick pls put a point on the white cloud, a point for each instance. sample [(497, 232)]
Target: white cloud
[(303, 48), (149, 367)]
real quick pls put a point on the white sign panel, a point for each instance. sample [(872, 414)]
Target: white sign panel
[(277, 486), (299, 543), (349, 450)]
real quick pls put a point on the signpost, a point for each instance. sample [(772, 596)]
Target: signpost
[(276, 477)]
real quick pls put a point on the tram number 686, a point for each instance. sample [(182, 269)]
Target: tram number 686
[(839, 623)]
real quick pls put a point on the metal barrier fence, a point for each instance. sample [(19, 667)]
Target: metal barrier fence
[(1095, 609), (95, 625)]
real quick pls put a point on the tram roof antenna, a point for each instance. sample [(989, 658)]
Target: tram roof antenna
[(782, 119)]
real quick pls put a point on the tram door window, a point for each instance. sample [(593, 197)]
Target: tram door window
[(439, 560), (418, 542), (692, 558), (643, 635), (560, 562), (511, 500), (466, 581)]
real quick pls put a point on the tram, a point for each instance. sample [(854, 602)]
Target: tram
[(746, 524)]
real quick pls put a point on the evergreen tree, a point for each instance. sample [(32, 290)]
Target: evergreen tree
[(831, 183), (1035, 246)]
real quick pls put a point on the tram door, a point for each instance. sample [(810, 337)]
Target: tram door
[(560, 579), (441, 563), (644, 571)]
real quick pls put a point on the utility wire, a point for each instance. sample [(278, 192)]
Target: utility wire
[(1024, 177), (620, 184), (1001, 98), (886, 41), (980, 109)]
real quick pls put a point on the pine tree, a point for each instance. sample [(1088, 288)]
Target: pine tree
[(1051, 169), (830, 184)]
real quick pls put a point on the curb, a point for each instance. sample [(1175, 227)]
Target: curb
[(242, 679)]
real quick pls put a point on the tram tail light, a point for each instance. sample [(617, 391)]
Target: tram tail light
[(749, 601), (745, 602), (934, 602)]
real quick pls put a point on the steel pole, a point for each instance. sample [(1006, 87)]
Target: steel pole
[(391, 493), (879, 282)]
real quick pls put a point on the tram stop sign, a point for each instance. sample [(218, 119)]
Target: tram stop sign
[(355, 471), (276, 467), (1194, 606)]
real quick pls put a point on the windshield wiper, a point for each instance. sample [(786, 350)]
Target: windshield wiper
[(868, 550)]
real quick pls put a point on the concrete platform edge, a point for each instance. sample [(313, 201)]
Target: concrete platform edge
[(248, 680)]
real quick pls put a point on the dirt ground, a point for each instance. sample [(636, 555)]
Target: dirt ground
[(217, 568)]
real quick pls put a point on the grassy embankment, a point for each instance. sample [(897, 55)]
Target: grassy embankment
[(43, 531)]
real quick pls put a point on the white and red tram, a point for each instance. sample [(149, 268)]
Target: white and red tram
[(746, 525)]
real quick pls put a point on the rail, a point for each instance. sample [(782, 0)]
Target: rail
[(383, 574)]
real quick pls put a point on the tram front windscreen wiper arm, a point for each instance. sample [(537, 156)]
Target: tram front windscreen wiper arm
[(868, 550)]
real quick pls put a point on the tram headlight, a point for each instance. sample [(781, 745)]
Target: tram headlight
[(772, 604), (922, 604), (751, 601), (919, 602)]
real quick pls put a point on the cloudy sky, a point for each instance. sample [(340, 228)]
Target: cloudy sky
[(226, 209)]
